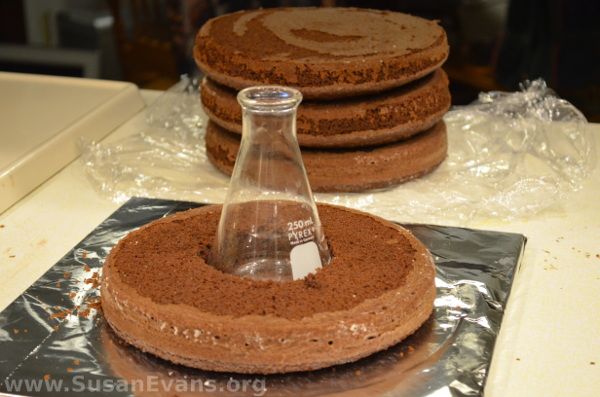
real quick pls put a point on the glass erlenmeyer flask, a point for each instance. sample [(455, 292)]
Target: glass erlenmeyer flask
[(269, 227)]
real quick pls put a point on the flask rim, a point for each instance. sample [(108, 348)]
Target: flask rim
[(269, 98)]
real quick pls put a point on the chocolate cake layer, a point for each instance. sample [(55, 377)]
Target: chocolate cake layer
[(360, 121), (349, 170), (324, 52), (159, 294)]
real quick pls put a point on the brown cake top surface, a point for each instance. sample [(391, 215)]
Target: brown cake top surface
[(165, 262), (322, 34)]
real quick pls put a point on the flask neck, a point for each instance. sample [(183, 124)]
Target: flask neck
[(269, 115), (269, 126)]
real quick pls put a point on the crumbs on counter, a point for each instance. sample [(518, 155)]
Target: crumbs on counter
[(46, 377), (76, 361), (12, 256), (67, 275), (87, 268), (1, 226)]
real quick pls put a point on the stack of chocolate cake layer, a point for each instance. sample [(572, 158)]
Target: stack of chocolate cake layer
[(374, 93)]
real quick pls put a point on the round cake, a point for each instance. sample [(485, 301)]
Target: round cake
[(361, 121), (349, 170), (160, 295), (323, 52)]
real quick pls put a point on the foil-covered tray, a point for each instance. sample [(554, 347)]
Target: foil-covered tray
[(54, 340)]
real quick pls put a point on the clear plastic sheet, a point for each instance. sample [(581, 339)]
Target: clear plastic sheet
[(510, 155), (54, 339)]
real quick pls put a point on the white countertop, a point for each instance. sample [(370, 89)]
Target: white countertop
[(549, 344)]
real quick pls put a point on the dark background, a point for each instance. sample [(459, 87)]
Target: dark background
[(495, 44)]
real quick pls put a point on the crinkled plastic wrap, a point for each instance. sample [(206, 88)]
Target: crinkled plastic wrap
[(510, 154), (54, 339)]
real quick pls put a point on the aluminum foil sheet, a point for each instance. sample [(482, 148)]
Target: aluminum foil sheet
[(54, 340)]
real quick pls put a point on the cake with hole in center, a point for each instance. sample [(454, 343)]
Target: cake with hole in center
[(160, 295)]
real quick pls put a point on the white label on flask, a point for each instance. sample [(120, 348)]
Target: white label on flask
[(305, 259)]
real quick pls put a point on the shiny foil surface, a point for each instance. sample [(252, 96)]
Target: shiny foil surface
[(54, 340)]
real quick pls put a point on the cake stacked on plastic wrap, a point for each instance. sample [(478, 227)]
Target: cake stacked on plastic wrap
[(374, 92)]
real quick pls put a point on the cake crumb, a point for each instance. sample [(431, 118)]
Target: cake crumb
[(61, 314), (84, 313), (518, 359), (46, 377), (87, 268), (1, 226), (67, 275), (69, 369), (12, 256), (311, 281), (592, 363), (94, 280), (76, 361)]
